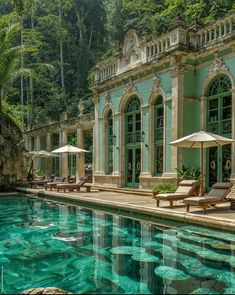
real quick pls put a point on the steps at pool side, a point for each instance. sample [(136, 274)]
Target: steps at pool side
[(124, 190)]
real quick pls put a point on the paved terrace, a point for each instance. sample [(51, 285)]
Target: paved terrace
[(143, 207)]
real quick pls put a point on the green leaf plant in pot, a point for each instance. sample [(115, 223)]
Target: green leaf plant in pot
[(190, 173)]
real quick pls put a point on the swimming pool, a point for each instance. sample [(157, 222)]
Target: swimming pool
[(87, 251)]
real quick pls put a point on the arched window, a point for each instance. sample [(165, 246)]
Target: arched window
[(109, 143), (219, 110), (133, 141), (158, 135), (133, 121), (219, 121)]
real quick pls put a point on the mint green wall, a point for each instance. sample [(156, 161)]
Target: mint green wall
[(100, 144), (166, 84), (144, 89), (193, 90)]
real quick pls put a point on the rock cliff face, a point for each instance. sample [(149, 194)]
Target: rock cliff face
[(12, 164)]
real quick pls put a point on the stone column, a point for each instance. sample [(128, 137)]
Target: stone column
[(94, 155), (95, 137), (36, 162), (81, 156), (116, 146), (63, 157), (49, 160), (177, 74), (232, 177)]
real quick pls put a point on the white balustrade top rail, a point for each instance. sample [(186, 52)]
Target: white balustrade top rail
[(146, 51)]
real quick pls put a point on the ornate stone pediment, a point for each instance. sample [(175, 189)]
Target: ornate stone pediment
[(130, 51), (156, 84), (218, 66), (107, 98), (130, 87)]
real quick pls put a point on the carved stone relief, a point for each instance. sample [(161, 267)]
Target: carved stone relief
[(130, 87), (217, 66)]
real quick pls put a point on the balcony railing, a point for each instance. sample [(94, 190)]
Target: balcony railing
[(150, 50)]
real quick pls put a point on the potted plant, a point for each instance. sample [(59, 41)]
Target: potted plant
[(190, 173)]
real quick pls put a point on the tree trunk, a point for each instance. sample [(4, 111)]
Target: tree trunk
[(91, 34), (21, 76), (62, 58)]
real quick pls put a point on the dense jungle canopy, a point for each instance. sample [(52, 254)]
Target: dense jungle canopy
[(49, 47)]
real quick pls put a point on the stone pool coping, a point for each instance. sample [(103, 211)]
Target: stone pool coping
[(140, 211)]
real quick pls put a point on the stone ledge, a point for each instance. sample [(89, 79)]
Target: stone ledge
[(145, 212)]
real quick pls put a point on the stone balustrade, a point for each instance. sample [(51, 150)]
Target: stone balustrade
[(137, 51), (216, 32)]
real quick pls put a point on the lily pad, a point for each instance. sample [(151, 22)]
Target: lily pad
[(204, 291), (145, 257), (171, 273), (127, 250), (229, 290)]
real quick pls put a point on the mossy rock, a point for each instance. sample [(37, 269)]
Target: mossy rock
[(127, 250), (204, 291), (145, 257), (170, 273)]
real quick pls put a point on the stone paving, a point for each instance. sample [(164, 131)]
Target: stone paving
[(220, 216)]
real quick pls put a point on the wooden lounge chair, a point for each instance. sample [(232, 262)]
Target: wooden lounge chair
[(185, 189), (53, 184), (217, 195), (75, 186), (35, 183)]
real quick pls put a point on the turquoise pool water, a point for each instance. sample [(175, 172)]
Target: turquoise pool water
[(86, 251)]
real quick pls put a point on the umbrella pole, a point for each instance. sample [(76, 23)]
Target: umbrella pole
[(202, 172)]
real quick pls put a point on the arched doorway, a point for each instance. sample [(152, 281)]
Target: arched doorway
[(133, 141), (109, 142), (219, 121)]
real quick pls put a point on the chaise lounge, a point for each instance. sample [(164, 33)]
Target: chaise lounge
[(216, 196), (35, 183), (53, 184), (75, 186), (185, 190)]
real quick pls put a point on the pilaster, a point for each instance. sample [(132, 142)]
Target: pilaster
[(49, 160), (232, 177), (81, 156), (63, 157), (95, 136), (36, 163), (178, 70)]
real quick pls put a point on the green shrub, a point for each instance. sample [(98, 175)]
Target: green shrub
[(165, 188), (188, 173)]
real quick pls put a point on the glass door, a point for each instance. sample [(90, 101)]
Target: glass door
[(133, 167), (219, 121), (133, 142)]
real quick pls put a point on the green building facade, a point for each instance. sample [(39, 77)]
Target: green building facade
[(158, 90)]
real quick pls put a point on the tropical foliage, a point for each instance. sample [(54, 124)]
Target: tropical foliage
[(67, 38), (163, 188)]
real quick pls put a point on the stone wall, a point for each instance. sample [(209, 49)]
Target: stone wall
[(12, 164)]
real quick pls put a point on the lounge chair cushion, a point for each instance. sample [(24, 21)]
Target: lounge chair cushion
[(224, 185), (188, 182), (219, 193), (201, 200), (172, 196), (184, 189)]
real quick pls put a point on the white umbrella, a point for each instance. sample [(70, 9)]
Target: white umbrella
[(69, 149), (201, 140), (38, 154)]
